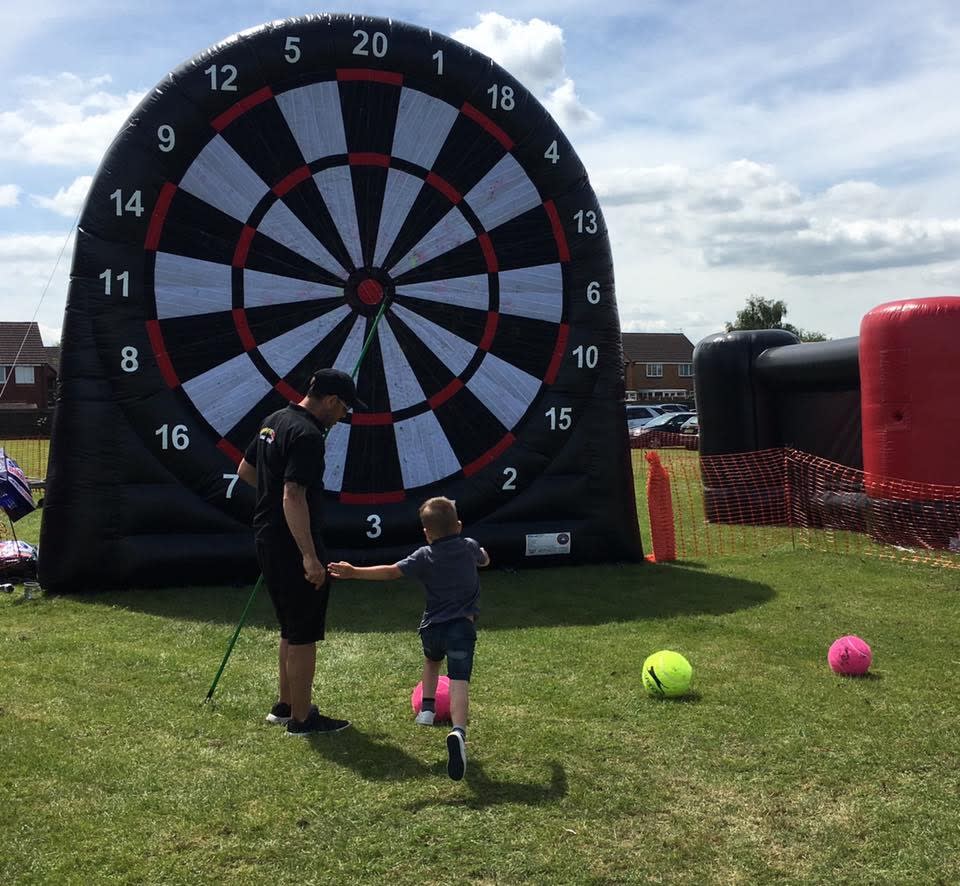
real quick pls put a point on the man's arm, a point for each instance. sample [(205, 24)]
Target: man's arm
[(365, 573), (247, 472), (484, 558), (297, 514)]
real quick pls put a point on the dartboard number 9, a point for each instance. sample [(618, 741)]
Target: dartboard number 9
[(335, 182)]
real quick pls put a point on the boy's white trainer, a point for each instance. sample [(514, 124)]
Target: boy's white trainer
[(425, 718)]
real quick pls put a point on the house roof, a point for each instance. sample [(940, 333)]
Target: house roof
[(656, 347), (24, 339)]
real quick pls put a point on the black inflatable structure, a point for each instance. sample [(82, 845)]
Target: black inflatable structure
[(271, 205)]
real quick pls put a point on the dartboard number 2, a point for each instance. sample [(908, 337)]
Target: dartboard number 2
[(510, 483), (376, 527), (560, 419), (378, 45)]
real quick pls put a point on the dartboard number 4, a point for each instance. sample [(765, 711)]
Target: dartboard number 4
[(510, 483), (551, 153), (376, 526), (586, 221), (560, 419), (222, 79), (377, 43), (134, 203), (177, 437), (123, 279), (586, 356)]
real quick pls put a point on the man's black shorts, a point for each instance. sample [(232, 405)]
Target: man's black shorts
[(301, 608)]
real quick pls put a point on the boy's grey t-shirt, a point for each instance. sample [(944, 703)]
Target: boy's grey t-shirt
[(448, 570)]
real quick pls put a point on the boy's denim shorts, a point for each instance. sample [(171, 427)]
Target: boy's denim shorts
[(454, 640)]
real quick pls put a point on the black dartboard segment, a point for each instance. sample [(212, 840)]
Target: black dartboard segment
[(349, 192)]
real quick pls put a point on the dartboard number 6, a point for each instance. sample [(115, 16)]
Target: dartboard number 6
[(376, 526), (593, 292), (377, 43), (122, 278), (176, 437), (560, 419)]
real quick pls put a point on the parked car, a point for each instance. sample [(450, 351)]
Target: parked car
[(672, 407), (637, 416), (690, 426), (661, 431)]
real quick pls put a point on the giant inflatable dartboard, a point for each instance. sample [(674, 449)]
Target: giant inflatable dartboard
[(349, 192)]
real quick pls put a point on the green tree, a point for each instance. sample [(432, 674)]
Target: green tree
[(763, 313)]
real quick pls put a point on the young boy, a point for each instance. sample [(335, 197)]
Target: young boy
[(447, 567)]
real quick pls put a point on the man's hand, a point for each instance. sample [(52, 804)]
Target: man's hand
[(314, 571), (342, 570)]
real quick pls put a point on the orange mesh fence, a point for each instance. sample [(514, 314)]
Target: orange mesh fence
[(30, 454), (755, 501)]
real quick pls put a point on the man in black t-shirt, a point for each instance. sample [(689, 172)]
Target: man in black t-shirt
[(285, 462)]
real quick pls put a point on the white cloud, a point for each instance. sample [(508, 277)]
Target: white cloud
[(9, 195), (533, 52), (63, 120), (34, 273), (67, 201)]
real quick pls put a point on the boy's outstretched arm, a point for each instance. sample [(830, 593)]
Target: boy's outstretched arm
[(366, 573)]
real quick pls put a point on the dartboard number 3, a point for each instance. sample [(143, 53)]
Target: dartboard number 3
[(376, 526), (123, 279), (586, 221), (176, 437), (560, 419), (586, 356), (222, 79), (134, 203), (510, 483), (377, 43)]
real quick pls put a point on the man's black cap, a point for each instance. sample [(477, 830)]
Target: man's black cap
[(333, 381)]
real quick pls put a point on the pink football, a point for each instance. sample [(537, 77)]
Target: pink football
[(443, 698), (850, 656)]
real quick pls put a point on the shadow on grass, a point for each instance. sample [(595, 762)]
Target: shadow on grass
[(575, 595), (375, 760)]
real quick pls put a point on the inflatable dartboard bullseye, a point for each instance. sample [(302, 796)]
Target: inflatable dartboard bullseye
[(272, 206)]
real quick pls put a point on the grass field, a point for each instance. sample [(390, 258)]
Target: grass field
[(772, 771)]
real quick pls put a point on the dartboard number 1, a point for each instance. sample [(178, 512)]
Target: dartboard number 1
[(560, 419)]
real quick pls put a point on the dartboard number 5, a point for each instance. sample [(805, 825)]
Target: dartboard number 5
[(291, 50), (560, 419), (376, 526)]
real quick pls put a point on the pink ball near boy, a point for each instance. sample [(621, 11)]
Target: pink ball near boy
[(443, 698), (850, 656)]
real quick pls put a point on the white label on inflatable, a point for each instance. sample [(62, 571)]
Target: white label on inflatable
[(547, 543)]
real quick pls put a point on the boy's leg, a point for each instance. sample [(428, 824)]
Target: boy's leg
[(428, 704), (461, 640), (459, 703)]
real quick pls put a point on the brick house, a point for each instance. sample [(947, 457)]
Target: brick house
[(28, 368), (658, 366)]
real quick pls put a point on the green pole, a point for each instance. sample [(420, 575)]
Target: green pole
[(256, 587)]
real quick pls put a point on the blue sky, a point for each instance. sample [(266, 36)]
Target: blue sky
[(806, 153)]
